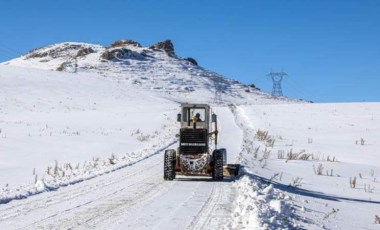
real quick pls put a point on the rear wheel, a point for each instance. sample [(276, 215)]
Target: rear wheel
[(217, 173), (169, 164)]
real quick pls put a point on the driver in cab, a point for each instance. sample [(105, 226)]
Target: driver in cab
[(197, 118)]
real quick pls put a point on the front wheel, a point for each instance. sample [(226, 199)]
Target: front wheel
[(217, 172), (169, 164)]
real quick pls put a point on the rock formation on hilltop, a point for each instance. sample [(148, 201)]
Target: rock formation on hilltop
[(85, 51), (156, 67), (166, 45), (120, 43), (56, 51)]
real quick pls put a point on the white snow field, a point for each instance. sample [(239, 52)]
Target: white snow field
[(301, 163), (82, 148)]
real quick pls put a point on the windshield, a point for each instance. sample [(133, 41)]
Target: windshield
[(198, 114)]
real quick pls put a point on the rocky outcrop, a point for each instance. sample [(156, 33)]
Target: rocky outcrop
[(55, 51), (121, 53), (67, 67), (166, 45), (192, 60), (120, 43), (61, 67), (85, 51)]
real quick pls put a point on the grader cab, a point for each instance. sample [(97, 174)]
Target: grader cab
[(197, 154)]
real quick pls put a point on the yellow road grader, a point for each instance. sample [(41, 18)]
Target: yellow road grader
[(196, 154)]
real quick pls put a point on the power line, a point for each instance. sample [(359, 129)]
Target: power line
[(10, 50), (301, 91)]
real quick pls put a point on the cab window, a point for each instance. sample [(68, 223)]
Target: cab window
[(199, 113)]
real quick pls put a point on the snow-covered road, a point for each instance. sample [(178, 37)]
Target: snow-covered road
[(134, 197)]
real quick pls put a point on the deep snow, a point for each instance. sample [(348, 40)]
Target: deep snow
[(331, 135)]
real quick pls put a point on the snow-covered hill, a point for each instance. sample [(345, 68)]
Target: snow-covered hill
[(83, 129), (57, 98), (155, 68)]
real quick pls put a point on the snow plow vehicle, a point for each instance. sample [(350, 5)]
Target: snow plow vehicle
[(196, 155)]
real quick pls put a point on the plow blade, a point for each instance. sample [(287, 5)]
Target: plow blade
[(231, 170)]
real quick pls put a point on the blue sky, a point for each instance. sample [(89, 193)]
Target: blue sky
[(329, 48)]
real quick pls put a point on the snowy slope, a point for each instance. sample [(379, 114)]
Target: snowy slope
[(306, 161), (146, 68), (83, 129), (97, 106), (48, 116)]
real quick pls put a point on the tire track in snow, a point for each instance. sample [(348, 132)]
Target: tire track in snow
[(107, 201), (44, 199), (193, 202), (205, 214), (102, 213), (216, 211), (52, 205), (54, 199)]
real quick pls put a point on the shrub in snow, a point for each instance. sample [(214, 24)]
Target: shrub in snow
[(255, 152), (295, 156), (274, 177), (333, 159), (319, 170), (296, 182), (377, 219), (353, 182), (368, 188), (361, 141), (261, 135), (143, 137), (332, 213), (280, 154), (329, 174)]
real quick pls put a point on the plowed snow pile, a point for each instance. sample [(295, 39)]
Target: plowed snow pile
[(320, 163)]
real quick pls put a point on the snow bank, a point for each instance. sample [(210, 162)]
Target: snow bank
[(62, 175), (312, 156), (260, 206)]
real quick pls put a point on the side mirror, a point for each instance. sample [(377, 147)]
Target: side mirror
[(179, 117), (213, 117)]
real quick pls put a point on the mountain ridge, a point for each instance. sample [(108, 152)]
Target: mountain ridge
[(155, 67)]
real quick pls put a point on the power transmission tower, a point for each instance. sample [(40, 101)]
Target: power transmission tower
[(277, 78)]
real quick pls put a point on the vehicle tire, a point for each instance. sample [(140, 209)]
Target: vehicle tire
[(169, 164), (217, 172), (224, 153)]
